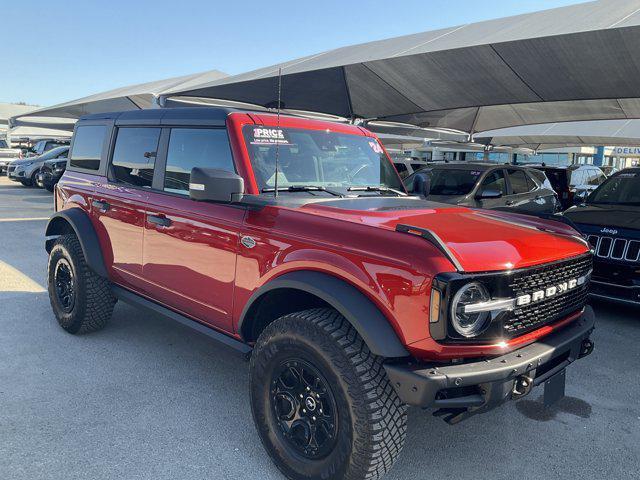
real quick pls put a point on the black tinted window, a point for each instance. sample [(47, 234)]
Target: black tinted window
[(453, 182), (518, 181), (198, 147), (495, 181), (402, 169), (87, 146), (134, 155)]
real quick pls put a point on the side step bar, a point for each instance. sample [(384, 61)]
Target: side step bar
[(138, 301)]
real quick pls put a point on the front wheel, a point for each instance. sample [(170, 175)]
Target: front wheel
[(321, 401)]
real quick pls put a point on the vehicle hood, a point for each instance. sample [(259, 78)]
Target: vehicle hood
[(618, 216), (480, 240), (26, 161)]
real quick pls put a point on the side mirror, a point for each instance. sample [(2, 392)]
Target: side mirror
[(488, 194), (212, 185), (421, 184)]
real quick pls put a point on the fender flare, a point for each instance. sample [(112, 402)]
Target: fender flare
[(83, 228), (362, 313)]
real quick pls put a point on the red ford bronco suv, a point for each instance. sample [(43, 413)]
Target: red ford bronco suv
[(352, 298)]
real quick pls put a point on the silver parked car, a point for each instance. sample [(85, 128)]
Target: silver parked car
[(26, 170)]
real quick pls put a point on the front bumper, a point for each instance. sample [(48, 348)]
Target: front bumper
[(16, 175), (612, 291), (463, 390)]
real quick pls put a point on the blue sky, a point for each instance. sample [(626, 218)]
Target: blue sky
[(58, 50)]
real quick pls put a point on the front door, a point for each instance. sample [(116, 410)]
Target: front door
[(495, 181), (119, 204), (190, 247)]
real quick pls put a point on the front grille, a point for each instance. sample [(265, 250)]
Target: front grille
[(615, 249), (534, 315), (10, 169)]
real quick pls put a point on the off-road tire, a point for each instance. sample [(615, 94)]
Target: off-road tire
[(93, 302), (371, 418)]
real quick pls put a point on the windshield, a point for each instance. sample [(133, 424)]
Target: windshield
[(623, 189), (450, 181), (319, 158)]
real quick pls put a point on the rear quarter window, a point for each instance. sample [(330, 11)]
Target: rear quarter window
[(87, 147)]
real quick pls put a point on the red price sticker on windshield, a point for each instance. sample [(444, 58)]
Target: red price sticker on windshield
[(375, 146)]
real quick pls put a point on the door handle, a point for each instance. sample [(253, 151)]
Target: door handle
[(100, 205), (159, 221)]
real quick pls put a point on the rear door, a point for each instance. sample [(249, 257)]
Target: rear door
[(545, 199), (522, 194), (120, 200), (190, 247)]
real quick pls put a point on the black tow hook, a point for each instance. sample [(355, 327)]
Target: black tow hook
[(586, 348), (521, 387)]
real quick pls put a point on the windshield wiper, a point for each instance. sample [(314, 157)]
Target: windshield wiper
[(303, 188), (377, 189)]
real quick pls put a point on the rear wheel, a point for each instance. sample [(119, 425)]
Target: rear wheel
[(321, 401), (81, 300)]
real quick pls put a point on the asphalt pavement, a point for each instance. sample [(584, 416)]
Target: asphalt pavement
[(149, 399)]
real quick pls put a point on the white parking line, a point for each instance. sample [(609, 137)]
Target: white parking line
[(32, 219), (13, 280)]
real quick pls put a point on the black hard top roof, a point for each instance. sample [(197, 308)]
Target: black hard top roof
[(168, 116), (635, 170)]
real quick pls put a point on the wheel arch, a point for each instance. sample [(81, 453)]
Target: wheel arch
[(301, 290), (76, 221)]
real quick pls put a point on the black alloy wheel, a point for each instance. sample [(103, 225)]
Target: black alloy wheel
[(65, 286), (305, 409)]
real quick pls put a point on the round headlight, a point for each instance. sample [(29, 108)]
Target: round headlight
[(469, 324)]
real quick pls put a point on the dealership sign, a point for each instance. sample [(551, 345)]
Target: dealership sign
[(626, 151)]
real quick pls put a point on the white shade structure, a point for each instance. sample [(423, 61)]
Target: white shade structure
[(132, 97), (567, 134)]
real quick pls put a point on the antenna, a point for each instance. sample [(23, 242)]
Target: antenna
[(275, 190)]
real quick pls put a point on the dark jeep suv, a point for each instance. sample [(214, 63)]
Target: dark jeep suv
[(610, 219), (293, 241)]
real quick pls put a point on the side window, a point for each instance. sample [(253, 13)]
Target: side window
[(577, 177), (134, 155), (403, 171), (495, 181), (87, 147), (195, 147), (518, 181), (532, 181), (596, 177)]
